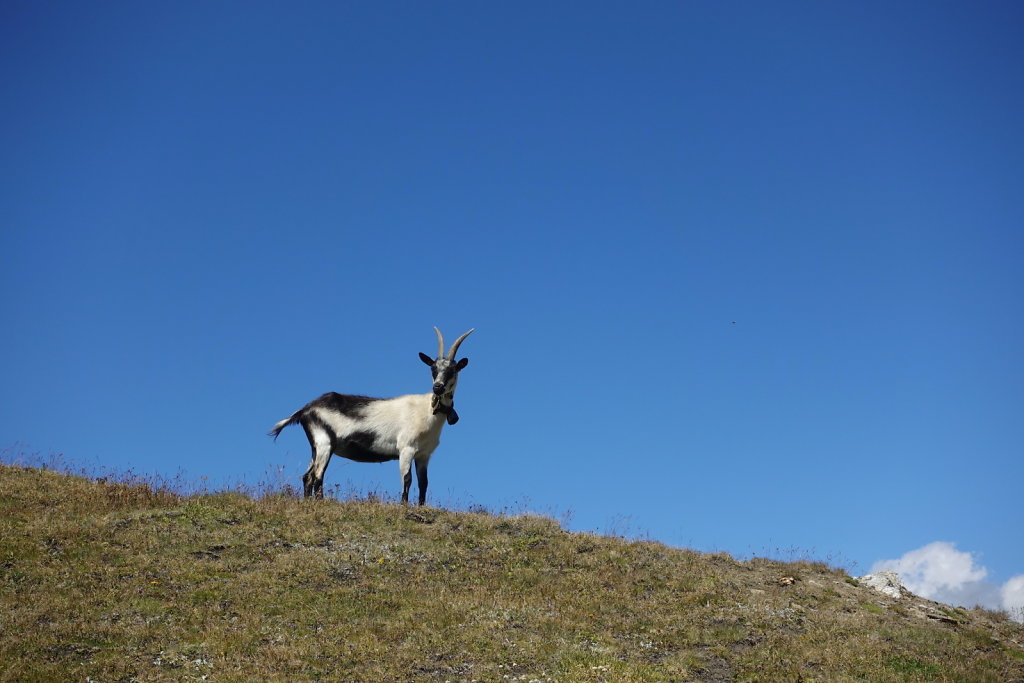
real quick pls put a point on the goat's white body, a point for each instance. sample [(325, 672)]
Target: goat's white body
[(402, 423)]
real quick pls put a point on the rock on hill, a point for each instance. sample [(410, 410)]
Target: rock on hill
[(108, 581)]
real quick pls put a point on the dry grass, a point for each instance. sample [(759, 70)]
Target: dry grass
[(108, 581)]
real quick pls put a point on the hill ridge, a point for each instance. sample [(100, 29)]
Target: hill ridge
[(113, 581)]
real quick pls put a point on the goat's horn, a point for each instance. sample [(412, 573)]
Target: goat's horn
[(440, 343), (455, 346)]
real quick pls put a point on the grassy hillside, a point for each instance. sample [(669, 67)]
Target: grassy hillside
[(105, 581)]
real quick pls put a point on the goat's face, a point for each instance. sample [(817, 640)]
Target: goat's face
[(445, 373), (445, 368)]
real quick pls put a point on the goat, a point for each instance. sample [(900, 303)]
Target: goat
[(363, 429)]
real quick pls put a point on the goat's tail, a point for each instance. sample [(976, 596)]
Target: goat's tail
[(292, 419)]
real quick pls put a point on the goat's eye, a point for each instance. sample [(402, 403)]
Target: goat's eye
[(433, 372)]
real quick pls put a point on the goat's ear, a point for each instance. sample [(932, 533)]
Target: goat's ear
[(462, 363), (453, 417), (426, 359)]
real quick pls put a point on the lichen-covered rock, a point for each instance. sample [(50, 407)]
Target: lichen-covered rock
[(887, 583)]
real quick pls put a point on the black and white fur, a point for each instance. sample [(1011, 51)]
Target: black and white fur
[(404, 428)]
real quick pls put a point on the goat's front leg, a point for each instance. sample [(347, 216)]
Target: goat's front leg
[(405, 469), (421, 478)]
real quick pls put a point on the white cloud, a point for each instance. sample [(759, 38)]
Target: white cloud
[(1013, 597), (940, 572), (936, 568)]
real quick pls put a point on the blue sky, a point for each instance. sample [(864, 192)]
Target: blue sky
[(745, 276)]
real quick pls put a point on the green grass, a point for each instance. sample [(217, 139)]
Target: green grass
[(114, 581)]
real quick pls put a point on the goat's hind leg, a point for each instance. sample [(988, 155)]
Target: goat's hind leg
[(307, 478), (313, 479), (311, 484)]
